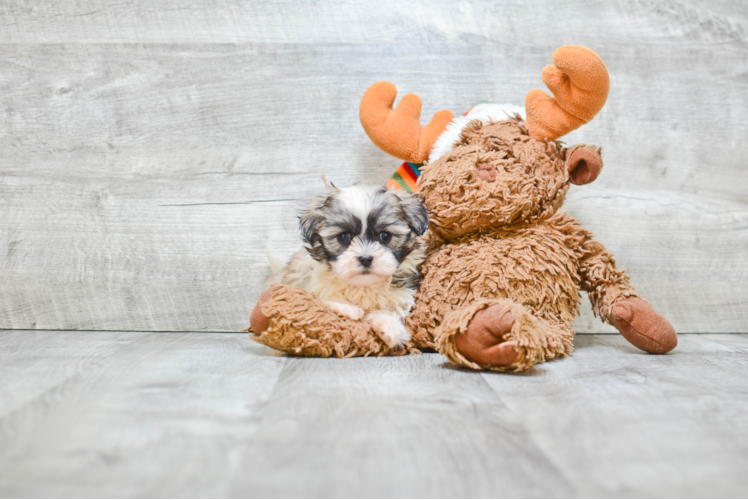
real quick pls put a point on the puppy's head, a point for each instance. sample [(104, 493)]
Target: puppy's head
[(363, 233)]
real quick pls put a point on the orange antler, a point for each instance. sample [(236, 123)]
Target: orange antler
[(398, 131), (580, 82)]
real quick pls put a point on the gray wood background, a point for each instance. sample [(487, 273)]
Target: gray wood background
[(152, 153)]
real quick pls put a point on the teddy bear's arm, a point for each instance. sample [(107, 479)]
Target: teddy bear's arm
[(604, 282), (618, 303), (292, 320)]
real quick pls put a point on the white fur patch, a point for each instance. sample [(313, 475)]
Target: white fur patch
[(317, 277), (486, 112), (348, 267), (358, 201), (276, 263), (351, 311), (389, 327)]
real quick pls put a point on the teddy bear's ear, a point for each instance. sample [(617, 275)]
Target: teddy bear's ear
[(414, 210), (398, 131), (584, 164), (580, 83)]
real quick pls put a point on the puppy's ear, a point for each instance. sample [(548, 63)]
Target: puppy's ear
[(415, 211), (331, 188), (308, 225), (311, 219)]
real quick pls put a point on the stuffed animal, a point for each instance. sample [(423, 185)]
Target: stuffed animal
[(505, 266)]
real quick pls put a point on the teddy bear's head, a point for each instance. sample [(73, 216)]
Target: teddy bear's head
[(497, 173)]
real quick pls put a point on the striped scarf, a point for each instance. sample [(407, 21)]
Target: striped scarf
[(406, 177)]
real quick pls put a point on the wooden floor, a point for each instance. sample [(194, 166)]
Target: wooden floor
[(138, 414)]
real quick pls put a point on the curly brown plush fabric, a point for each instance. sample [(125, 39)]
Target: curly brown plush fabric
[(526, 184), (302, 325), (534, 340)]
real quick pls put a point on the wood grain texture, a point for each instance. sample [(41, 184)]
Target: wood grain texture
[(164, 412), (153, 153), (358, 21), (632, 424), (137, 414), (391, 427)]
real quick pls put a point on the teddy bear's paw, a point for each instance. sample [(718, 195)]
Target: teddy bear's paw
[(390, 328), (351, 311), (483, 341), (643, 326), (258, 322)]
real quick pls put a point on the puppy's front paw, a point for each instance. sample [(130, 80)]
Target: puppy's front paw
[(390, 328), (351, 311)]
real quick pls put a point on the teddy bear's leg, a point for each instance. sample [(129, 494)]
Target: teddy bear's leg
[(501, 335), (292, 320)]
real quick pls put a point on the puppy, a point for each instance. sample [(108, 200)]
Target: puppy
[(362, 253)]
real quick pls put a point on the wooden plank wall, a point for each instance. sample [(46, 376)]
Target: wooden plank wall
[(153, 153)]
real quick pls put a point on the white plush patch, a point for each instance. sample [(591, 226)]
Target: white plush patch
[(486, 112)]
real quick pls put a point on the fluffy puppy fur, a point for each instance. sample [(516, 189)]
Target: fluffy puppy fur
[(362, 252)]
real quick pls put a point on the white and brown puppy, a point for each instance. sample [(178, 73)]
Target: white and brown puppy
[(362, 251)]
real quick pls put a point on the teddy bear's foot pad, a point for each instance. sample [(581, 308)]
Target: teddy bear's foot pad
[(258, 322), (643, 326), (483, 341)]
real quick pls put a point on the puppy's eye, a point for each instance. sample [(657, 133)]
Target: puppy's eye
[(385, 237), (344, 238)]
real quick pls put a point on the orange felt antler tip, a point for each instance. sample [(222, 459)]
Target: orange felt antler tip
[(398, 131), (580, 83)]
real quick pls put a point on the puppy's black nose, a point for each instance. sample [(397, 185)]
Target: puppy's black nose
[(366, 261)]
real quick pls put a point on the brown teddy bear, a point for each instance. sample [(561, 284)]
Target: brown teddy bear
[(501, 283)]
